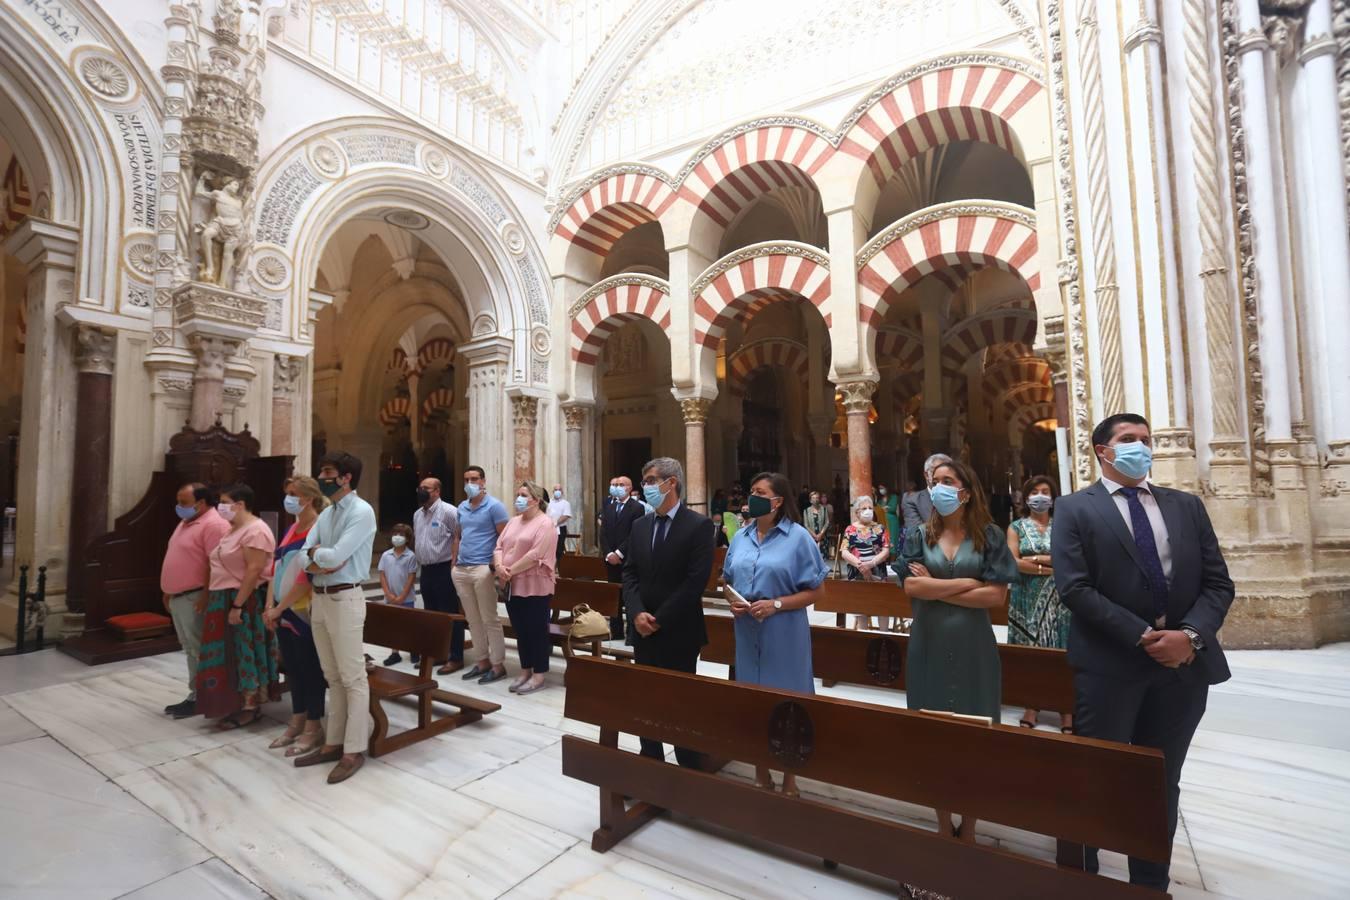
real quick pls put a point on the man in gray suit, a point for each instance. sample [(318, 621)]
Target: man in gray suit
[(918, 506), (1140, 568)]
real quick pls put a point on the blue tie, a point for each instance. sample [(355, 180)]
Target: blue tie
[(1148, 551), (659, 538)]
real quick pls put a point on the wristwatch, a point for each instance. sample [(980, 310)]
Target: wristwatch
[(1196, 643), (778, 604)]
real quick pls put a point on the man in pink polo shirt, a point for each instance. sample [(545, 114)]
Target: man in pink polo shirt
[(185, 575)]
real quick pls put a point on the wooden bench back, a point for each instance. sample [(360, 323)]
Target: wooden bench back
[(1114, 795), (600, 596), (420, 631), (575, 566), (879, 598), (1033, 677), (715, 576)]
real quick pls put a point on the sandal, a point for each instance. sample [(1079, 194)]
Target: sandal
[(286, 738), (310, 740), (1026, 722), (233, 720)]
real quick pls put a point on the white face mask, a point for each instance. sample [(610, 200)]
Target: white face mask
[(226, 511), (865, 514), (398, 540)]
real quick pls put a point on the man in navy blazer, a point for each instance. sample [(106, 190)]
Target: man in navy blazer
[(1140, 568)]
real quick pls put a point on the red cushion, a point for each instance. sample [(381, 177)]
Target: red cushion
[(139, 621)]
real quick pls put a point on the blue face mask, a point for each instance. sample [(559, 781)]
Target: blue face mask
[(471, 489), (521, 503), (292, 504), (186, 512), (1133, 459), (653, 495), (946, 499), (616, 491)]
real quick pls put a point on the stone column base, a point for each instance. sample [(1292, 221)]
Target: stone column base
[(1287, 620)]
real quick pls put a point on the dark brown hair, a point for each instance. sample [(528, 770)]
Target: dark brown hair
[(404, 530), (975, 516), (779, 484)]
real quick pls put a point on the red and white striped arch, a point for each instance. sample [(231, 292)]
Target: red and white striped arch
[(439, 400), (900, 346), (1027, 416), (998, 326), (771, 271), (960, 102), (1023, 395), (436, 350), (395, 411), (605, 308), (398, 362), (608, 208), (1002, 376), (939, 238), (741, 168), (778, 352)]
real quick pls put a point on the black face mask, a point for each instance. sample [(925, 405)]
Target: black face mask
[(329, 486), (423, 496)]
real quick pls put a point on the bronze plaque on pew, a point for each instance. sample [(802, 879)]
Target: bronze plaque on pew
[(885, 660), (791, 734)]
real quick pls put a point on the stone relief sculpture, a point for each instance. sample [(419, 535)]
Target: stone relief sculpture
[(223, 224)]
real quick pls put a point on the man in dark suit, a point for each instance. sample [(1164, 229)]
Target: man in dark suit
[(1140, 568), (617, 516), (917, 506), (669, 558)]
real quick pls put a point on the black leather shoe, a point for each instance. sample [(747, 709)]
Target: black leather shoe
[(184, 710), (474, 673), (394, 659), (492, 676)]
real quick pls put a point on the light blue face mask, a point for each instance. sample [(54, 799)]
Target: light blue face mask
[(185, 512), (472, 489), (616, 491), (946, 499), (292, 504), (1133, 459), (653, 495), (521, 503)]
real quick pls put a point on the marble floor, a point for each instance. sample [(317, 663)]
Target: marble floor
[(102, 796)]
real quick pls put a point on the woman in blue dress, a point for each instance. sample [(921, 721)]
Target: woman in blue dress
[(775, 565)]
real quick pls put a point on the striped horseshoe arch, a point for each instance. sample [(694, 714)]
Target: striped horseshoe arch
[(610, 204), (776, 270), (434, 351), (902, 346), (953, 234), (394, 411), (961, 101), (735, 169), (790, 355), (1003, 375), (439, 400), (998, 326), (1027, 416), (605, 308), (1020, 395)]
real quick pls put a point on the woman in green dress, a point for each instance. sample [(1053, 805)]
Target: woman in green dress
[(955, 568), (890, 501), (1036, 618)]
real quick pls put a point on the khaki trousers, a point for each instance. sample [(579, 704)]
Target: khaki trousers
[(187, 623), (339, 622), (478, 595)]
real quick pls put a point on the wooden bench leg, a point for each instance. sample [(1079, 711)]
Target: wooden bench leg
[(381, 729), (617, 820)]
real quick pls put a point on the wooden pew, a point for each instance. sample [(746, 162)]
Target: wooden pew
[(591, 568), (568, 593), (1106, 795), (427, 634), (877, 598), (1033, 677)]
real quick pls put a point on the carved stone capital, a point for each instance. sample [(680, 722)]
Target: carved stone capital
[(695, 410), (574, 414), (286, 371), (95, 349), (212, 353), (525, 411), (857, 396), (1173, 442)]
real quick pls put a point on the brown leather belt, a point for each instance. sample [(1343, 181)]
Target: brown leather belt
[(334, 588)]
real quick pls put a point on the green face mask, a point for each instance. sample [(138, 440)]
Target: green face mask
[(760, 506), (329, 486)]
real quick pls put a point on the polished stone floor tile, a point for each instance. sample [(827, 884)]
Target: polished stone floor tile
[(211, 880)]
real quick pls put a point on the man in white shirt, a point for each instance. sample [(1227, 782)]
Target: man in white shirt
[(560, 511), (435, 530)]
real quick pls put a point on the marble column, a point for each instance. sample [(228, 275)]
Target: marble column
[(525, 421), (95, 358), (695, 412), (489, 367), (286, 375), (822, 426), (858, 406), (574, 486), (208, 382)]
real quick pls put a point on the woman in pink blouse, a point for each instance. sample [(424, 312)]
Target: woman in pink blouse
[(524, 561)]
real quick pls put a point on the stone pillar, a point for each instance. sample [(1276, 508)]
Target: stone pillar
[(287, 372), (95, 358), (489, 367), (857, 405), (695, 412), (525, 422), (822, 426), (47, 251), (208, 383), (574, 485)]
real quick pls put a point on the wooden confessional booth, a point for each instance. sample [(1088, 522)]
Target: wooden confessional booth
[(118, 573)]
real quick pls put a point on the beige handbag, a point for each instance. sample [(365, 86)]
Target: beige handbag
[(587, 624)]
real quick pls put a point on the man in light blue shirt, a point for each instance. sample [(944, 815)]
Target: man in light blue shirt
[(338, 550), (481, 518)]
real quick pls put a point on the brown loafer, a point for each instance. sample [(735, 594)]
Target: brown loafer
[(317, 757), (451, 667), (344, 770)]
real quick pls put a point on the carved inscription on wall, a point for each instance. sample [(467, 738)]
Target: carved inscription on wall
[(142, 162), (56, 17), (474, 190), (373, 148), (284, 200)]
